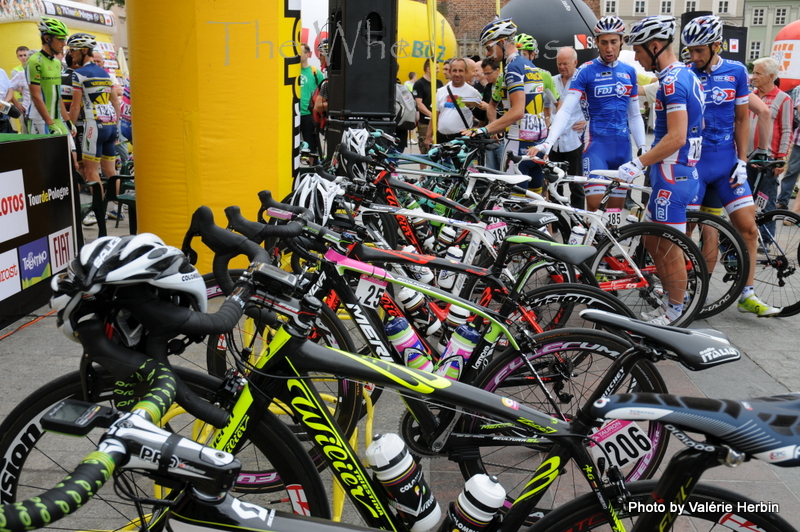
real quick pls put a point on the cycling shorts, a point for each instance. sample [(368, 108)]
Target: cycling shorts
[(605, 154), (126, 130), (99, 141), (715, 192), (674, 187), (530, 168)]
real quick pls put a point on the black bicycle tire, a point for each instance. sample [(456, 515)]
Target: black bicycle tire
[(789, 303), (21, 432), (499, 377), (735, 264), (569, 295), (349, 403), (585, 513), (699, 269)]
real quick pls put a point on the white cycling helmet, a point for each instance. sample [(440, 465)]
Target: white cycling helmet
[(125, 260), (316, 194), (649, 28), (609, 24), (499, 28), (702, 30), (81, 40), (357, 141)]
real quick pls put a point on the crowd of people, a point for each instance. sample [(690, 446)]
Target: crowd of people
[(64, 89)]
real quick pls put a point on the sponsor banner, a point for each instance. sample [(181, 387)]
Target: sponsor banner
[(13, 211), (61, 249), (34, 262), (76, 13), (9, 274)]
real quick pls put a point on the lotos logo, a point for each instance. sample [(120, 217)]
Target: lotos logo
[(13, 209), (720, 96)]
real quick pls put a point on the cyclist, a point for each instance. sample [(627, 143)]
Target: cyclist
[(607, 89), (676, 150), (529, 48), (46, 112), (722, 168), (523, 95)]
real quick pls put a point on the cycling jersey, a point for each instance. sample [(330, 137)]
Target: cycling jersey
[(680, 90), (606, 90), (725, 88), (93, 85), (125, 111), (521, 75), (44, 70)]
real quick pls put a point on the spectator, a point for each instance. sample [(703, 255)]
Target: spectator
[(99, 59), (43, 74), (569, 147), (22, 55), (491, 71), (310, 79), (125, 120), (454, 103), (793, 166), (446, 69), (765, 71), (422, 94), (92, 91), (412, 78), (7, 95)]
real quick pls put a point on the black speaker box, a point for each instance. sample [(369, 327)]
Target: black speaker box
[(361, 67)]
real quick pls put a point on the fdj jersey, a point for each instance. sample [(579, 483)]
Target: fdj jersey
[(521, 75), (725, 88), (680, 90), (606, 90), (45, 71)]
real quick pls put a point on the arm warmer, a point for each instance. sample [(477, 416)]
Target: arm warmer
[(635, 122), (571, 101)]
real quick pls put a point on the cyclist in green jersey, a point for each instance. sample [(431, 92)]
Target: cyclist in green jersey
[(43, 73)]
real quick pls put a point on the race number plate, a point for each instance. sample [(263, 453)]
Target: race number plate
[(613, 216), (623, 441), (761, 201), (370, 290)]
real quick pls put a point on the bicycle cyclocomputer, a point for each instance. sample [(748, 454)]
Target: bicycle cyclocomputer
[(77, 418)]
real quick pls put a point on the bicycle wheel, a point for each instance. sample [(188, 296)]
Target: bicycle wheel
[(647, 244), (726, 257), (707, 501), (274, 463), (248, 338), (570, 363), (777, 280)]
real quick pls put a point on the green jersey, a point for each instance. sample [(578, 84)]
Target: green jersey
[(550, 90), (45, 71)]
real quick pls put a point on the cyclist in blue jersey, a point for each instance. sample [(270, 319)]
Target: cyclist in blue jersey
[(722, 168), (607, 90), (523, 88), (678, 143)]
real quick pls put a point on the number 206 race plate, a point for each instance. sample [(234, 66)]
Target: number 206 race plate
[(624, 442)]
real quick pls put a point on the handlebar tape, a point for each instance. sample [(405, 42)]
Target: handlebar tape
[(514, 157), (323, 174), (355, 157), (267, 202), (72, 493)]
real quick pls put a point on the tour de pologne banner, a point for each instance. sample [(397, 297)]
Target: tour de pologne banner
[(37, 231), (30, 9)]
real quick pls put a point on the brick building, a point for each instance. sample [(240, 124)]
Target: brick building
[(468, 17)]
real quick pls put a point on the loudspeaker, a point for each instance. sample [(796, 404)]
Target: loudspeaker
[(362, 68)]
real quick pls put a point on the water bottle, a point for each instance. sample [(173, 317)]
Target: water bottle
[(408, 344), (417, 308), (476, 506), (403, 481), (455, 316), (446, 238), (447, 278), (458, 351), (632, 219), (418, 272), (422, 228), (577, 235)]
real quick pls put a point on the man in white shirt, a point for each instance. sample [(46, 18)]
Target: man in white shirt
[(7, 95), (454, 103)]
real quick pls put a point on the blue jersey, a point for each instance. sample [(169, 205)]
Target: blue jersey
[(606, 90), (680, 90), (725, 88), (521, 75)]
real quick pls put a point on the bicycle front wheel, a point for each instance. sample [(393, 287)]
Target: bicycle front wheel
[(726, 257), (669, 263), (708, 503), (274, 463), (777, 279), (569, 365)]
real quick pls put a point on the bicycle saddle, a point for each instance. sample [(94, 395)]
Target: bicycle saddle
[(767, 428), (534, 219), (573, 255), (697, 349)]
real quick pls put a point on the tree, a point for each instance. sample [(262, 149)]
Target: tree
[(107, 4)]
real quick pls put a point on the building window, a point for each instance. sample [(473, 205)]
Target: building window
[(611, 6), (755, 50), (691, 5), (780, 16), (758, 16), (723, 6), (666, 7), (639, 7)]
